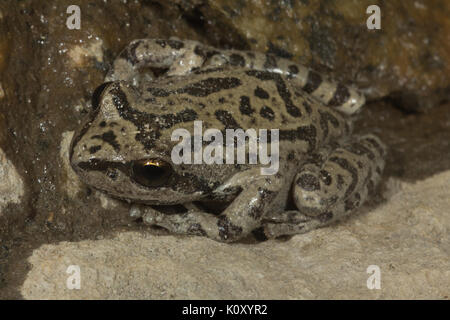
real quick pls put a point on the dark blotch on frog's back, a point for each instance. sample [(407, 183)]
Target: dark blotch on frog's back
[(208, 86), (312, 82), (261, 93), (201, 88), (304, 133), (159, 92), (206, 71), (94, 149), (244, 106), (141, 119), (110, 138), (267, 113), (227, 119), (282, 89), (326, 117)]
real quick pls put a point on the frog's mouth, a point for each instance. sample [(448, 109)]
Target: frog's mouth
[(215, 207)]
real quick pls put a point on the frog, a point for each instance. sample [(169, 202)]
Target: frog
[(155, 86)]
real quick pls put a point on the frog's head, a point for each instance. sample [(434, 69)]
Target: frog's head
[(125, 151)]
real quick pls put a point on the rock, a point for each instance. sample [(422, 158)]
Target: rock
[(2, 92), (407, 238), (80, 54), (47, 76), (72, 182), (11, 184)]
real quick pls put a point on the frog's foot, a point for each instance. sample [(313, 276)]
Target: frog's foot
[(327, 191), (286, 223), (172, 56), (241, 217)]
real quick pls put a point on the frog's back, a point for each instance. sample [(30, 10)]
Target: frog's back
[(229, 98)]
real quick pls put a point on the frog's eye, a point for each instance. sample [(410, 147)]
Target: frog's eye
[(151, 172), (97, 95)]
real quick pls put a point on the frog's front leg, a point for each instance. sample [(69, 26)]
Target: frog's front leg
[(178, 57), (242, 216), (326, 191)]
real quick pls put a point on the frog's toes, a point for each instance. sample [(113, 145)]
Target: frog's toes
[(351, 171), (152, 217), (135, 211), (149, 215)]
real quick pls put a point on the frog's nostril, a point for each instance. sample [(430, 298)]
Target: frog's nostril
[(97, 95), (151, 172)]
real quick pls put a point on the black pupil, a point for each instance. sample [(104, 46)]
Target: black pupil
[(150, 174), (152, 171)]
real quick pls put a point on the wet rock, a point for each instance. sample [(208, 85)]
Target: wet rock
[(73, 184), (48, 74), (2, 92), (11, 184), (80, 55), (407, 238)]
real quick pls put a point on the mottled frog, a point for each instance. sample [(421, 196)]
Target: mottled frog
[(157, 86)]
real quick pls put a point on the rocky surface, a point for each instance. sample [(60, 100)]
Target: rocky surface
[(11, 186), (408, 238)]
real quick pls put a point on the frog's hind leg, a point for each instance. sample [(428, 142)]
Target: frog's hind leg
[(336, 95), (332, 188), (173, 56), (331, 93)]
